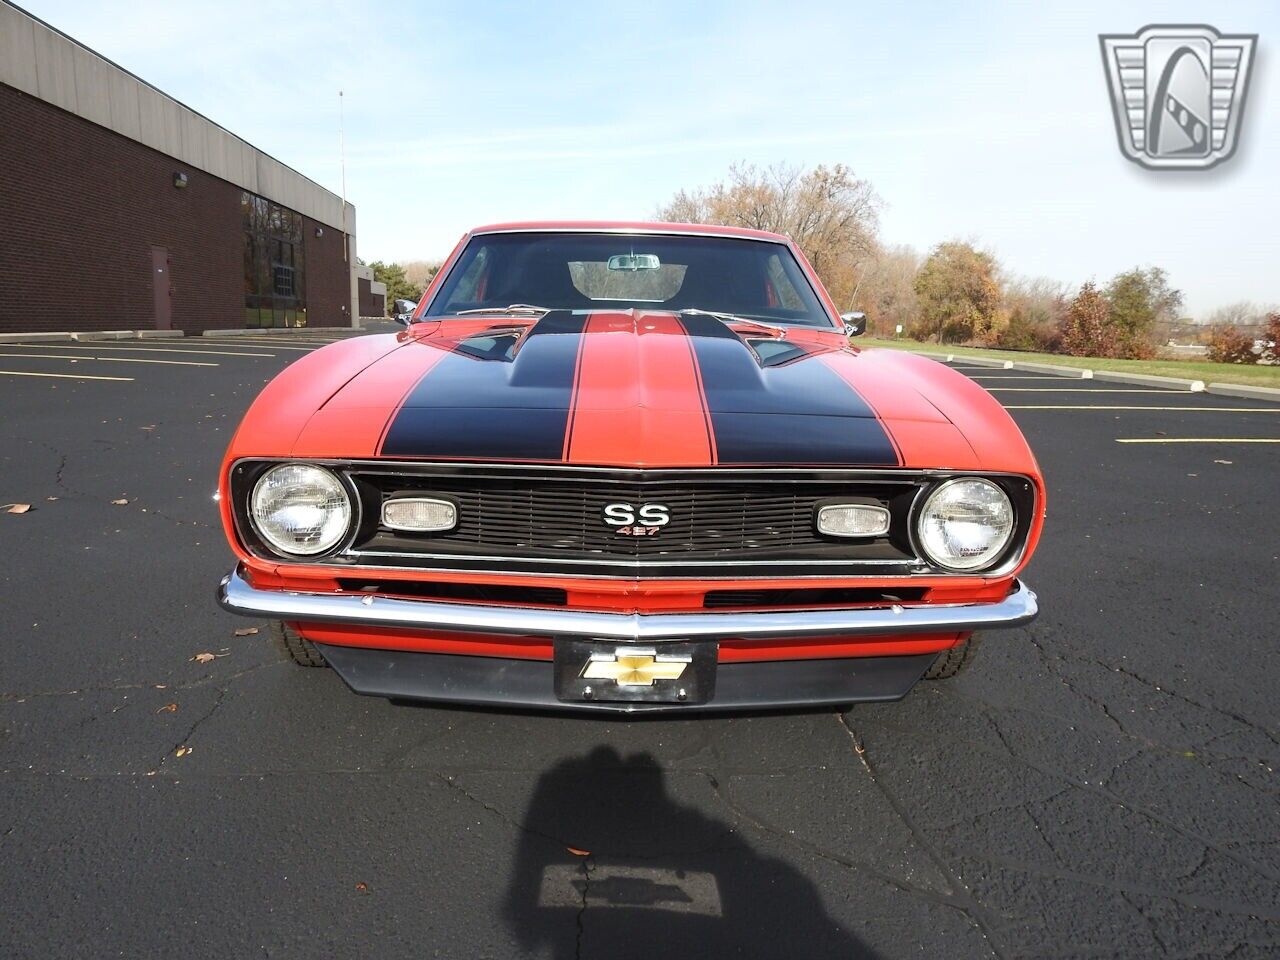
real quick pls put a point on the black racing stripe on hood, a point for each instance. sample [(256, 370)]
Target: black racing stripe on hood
[(794, 413), (494, 406)]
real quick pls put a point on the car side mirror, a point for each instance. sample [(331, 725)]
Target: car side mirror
[(855, 323)]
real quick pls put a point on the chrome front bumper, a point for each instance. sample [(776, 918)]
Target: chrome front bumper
[(238, 596)]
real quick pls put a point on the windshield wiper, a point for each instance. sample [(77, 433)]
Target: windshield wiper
[(734, 318), (510, 308)]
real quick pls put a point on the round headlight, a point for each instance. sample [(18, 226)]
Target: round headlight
[(300, 509), (965, 524)]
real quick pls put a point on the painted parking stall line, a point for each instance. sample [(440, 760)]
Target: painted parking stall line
[(71, 359), (270, 343), (292, 343), (1073, 390), (1027, 376), (98, 349), (1174, 409), (1197, 439), (62, 376)]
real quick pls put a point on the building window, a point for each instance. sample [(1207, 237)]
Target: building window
[(274, 274)]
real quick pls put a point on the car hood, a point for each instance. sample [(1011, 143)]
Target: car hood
[(653, 389)]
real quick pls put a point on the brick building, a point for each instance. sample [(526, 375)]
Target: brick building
[(370, 294), (120, 208)]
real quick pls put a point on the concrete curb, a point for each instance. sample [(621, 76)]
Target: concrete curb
[(103, 335), (982, 361), (1149, 380), (88, 335), (1113, 376), (1244, 390), (35, 337), (1080, 373)]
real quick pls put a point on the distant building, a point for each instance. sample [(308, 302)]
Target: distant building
[(371, 295), (120, 208)]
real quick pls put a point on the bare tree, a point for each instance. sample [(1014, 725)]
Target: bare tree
[(420, 272), (885, 289), (829, 213)]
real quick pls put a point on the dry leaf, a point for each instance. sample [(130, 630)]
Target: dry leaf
[(168, 708), (18, 508), (362, 887), (207, 657), (578, 853), (246, 631), (183, 751), (122, 501)]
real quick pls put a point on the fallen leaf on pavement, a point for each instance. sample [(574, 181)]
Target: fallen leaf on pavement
[(182, 751), (206, 657), (122, 501), (246, 631), (51, 499), (168, 708), (18, 508), (362, 887), (578, 853)]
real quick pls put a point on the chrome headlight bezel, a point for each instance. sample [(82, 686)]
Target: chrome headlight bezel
[(990, 559), (332, 540)]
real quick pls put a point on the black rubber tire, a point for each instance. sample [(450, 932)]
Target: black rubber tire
[(300, 650), (954, 661)]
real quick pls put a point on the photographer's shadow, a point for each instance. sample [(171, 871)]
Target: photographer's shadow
[(648, 877)]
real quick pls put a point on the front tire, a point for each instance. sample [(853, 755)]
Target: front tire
[(297, 647), (955, 660)]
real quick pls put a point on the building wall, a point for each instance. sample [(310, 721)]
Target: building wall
[(81, 208), (44, 62), (371, 304)]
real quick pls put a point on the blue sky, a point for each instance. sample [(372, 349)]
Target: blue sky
[(987, 122)]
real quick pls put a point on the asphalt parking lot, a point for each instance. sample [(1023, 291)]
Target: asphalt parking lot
[(1101, 784)]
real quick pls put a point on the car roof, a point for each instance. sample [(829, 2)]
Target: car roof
[(628, 226)]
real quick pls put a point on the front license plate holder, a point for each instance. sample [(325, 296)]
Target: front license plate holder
[(609, 671)]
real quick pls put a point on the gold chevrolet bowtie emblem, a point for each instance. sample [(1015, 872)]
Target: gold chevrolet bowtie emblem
[(634, 668)]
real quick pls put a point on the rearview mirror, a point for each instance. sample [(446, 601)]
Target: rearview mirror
[(632, 262), (855, 323)]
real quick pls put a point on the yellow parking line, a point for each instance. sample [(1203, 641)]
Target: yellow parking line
[(1201, 440), (61, 356), (1070, 390), (61, 376), (1178, 409), (218, 353)]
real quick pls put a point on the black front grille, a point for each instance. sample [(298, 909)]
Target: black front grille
[(468, 592), (807, 597), (546, 517)]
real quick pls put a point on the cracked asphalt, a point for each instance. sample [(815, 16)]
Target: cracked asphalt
[(1102, 784)]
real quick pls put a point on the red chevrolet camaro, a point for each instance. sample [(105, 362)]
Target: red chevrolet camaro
[(629, 467)]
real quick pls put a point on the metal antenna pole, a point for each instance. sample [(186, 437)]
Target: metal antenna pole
[(342, 162)]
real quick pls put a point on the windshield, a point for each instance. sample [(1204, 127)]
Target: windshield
[(757, 280)]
